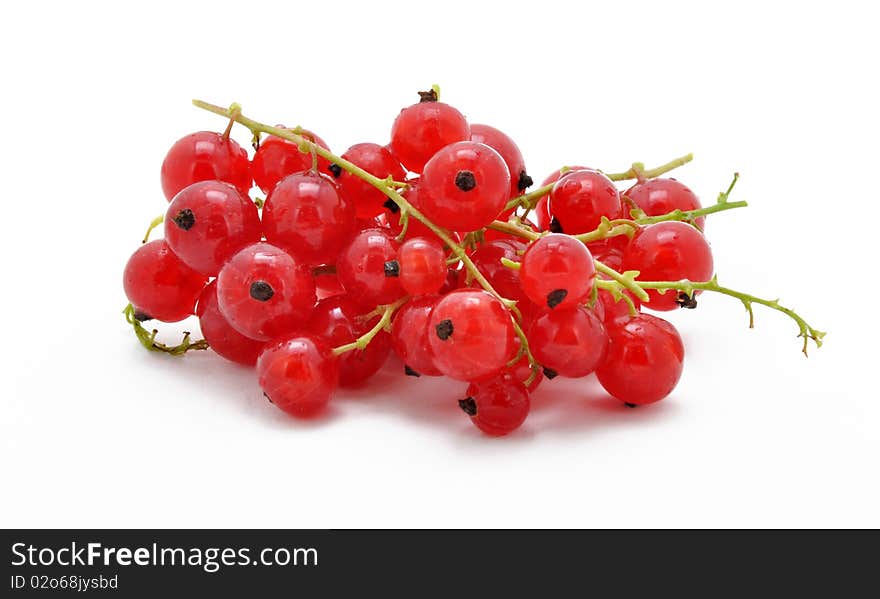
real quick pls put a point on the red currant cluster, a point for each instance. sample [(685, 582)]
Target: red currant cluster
[(429, 247)]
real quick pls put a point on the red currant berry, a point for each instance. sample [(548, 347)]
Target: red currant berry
[(464, 186), (506, 281), (580, 199), (159, 285), (423, 129), (557, 271), (542, 206), (661, 196), (220, 335), (377, 160), (644, 361), (571, 343), (668, 251), (610, 251), (298, 374), (277, 158), (471, 335), (368, 268), (264, 293), (339, 320), (409, 336), (616, 310), (205, 156), (509, 151), (498, 406), (422, 266), (305, 216), (209, 222)]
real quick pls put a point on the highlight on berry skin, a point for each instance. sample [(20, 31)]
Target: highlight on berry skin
[(435, 245)]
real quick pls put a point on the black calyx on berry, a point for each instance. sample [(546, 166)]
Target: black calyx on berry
[(262, 291), (465, 180), (630, 405), (686, 301), (410, 372), (185, 219), (555, 297), (444, 329), (468, 406), (142, 316), (392, 268), (428, 96), (555, 227), (524, 181), (392, 206), (335, 170), (550, 373)]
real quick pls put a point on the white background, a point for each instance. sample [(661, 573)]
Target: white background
[(95, 431)]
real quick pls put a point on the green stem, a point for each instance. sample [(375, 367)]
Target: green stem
[(524, 347), (511, 264), (637, 169), (364, 340), (688, 287), (512, 229), (623, 226), (625, 280), (153, 224), (529, 199), (148, 338)]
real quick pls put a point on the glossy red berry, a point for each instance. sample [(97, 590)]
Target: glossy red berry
[(509, 151), (542, 206), (409, 336), (205, 156), (498, 406), (277, 158), (338, 321), (376, 160), (306, 216), (471, 335), (616, 310), (422, 265), (570, 342), (368, 268), (298, 374), (506, 281), (220, 335), (668, 251), (661, 196), (209, 222), (557, 272), (159, 285), (580, 199), (644, 361), (610, 251), (423, 129), (464, 186), (264, 293)]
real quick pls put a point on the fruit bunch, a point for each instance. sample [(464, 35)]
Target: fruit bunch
[(430, 247)]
